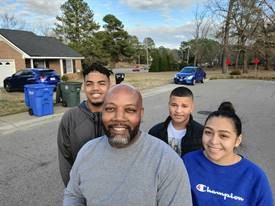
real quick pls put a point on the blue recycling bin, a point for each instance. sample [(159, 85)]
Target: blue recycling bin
[(39, 99)]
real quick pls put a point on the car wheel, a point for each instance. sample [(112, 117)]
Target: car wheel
[(7, 87), (202, 81), (193, 81)]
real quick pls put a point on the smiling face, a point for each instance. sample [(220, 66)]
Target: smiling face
[(219, 140), (122, 114), (180, 109), (96, 85)]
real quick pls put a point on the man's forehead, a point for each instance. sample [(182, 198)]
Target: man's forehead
[(96, 76), (177, 98), (122, 94)]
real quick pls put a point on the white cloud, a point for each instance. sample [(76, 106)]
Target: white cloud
[(158, 4), (166, 36), (32, 13), (165, 7), (41, 7)]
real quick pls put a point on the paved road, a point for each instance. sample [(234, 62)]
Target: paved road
[(28, 163)]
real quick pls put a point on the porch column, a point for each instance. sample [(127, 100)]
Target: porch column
[(31, 63), (61, 67)]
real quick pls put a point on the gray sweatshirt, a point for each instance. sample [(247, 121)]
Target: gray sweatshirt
[(148, 172), (77, 126)]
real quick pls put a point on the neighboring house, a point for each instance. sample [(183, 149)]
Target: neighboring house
[(24, 49)]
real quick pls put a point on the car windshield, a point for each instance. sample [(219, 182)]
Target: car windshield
[(187, 70), (45, 72)]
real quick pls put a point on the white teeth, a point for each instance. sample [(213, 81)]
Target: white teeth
[(95, 95), (214, 149), (119, 128)]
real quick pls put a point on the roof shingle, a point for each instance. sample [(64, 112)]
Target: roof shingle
[(36, 46)]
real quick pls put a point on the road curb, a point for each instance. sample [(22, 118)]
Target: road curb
[(9, 126)]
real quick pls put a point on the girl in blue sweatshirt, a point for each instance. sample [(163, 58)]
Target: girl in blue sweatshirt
[(218, 175)]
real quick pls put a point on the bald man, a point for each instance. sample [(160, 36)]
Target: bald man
[(126, 166)]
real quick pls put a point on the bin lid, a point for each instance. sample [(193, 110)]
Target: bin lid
[(34, 86), (120, 73), (71, 83)]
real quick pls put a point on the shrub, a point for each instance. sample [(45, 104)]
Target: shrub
[(235, 72), (64, 78)]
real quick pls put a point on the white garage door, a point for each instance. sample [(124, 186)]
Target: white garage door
[(7, 68)]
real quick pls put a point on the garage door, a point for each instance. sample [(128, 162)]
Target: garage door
[(7, 68)]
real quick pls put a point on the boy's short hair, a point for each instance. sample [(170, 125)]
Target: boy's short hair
[(96, 67), (181, 92)]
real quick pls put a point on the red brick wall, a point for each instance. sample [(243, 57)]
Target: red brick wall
[(7, 52), (55, 64)]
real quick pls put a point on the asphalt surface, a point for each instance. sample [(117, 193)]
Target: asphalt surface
[(28, 165)]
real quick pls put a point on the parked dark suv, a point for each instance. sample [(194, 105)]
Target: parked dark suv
[(30, 76)]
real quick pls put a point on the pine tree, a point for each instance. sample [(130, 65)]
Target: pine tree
[(76, 24), (117, 41)]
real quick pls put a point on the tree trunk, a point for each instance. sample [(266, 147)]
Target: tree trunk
[(226, 35), (237, 59), (195, 60), (266, 65), (245, 69)]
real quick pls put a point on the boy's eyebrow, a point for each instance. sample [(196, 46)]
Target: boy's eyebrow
[(206, 127)]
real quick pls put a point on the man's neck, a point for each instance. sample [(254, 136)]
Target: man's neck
[(93, 108)]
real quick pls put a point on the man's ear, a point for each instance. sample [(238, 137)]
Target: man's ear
[(192, 106), (142, 113)]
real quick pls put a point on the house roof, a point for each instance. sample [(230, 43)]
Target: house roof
[(36, 46)]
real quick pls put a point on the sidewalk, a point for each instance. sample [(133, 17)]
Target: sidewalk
[(19, 120), (16, 121)]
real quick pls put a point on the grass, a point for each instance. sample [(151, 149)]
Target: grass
[(13, 102)]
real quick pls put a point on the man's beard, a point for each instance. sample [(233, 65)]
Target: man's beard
[(121, 140), (97, 104)]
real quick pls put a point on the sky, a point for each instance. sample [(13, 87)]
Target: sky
[(167, 22)]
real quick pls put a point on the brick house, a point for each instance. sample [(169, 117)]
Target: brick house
[(23, 49)]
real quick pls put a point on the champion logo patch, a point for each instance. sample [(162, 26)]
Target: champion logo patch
[(204, 188)]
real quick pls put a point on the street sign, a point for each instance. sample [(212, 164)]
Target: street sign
[(256, 61), (227, 61)]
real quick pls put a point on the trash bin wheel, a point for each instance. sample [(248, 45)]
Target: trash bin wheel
[(30, 111), (64, 103)]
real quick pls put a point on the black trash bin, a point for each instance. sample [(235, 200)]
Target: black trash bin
[(119, 77)]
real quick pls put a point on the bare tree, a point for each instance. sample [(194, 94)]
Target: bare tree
[(223, 9), (264, 45), (9, 21), (246, 20), (202, 26), (268, 10), (226, 35)]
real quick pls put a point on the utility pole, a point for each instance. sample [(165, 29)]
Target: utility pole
[(188, 47), (187, 60), (146, 47)]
